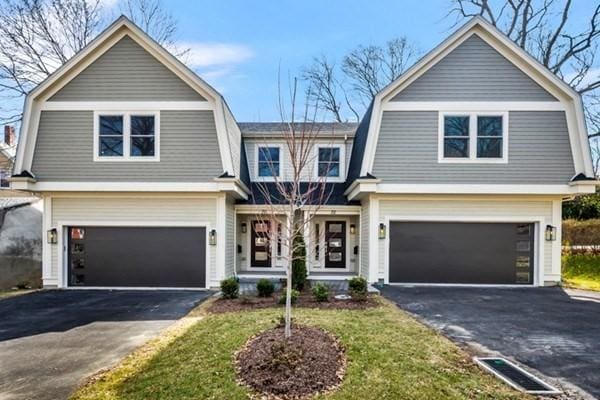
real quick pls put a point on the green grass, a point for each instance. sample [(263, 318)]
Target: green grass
[(390, 356), (581, 271)]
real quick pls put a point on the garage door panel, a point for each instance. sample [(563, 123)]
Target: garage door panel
[(138, 257), (476, 253)]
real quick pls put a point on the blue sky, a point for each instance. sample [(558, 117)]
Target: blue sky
[(265, 34)]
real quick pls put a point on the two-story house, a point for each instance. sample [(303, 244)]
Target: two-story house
[(455, 175)]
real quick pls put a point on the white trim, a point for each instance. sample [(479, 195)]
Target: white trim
[(63, 241), (126, 105), (221, 228), (538, 267), (119, 186), (127, 157), (47, 247), (258, 178), (557, 244), (521, 59), (473, 106), (342, 162), (552, 391), (374, 240), (449, 188), (473, 137)]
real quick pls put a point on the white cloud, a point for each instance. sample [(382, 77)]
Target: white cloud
[(204, 55)]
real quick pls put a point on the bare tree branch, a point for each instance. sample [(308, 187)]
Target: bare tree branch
[(38, 36)]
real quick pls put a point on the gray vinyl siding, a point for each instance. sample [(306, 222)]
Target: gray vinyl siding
[(127, 72), (474, 71), (539, 151), (189, 151)]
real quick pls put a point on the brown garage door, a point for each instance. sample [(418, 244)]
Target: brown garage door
[(136, 257), (470, 253)]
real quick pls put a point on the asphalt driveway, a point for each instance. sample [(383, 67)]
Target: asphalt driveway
[(552, 330), (51, 340)]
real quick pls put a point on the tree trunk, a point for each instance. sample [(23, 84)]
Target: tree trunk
[(288, 289)]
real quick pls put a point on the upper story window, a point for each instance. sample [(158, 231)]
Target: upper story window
[(473, 137), (269, 162), (329, 162), (128, 136)]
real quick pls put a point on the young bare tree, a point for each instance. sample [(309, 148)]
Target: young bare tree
[(362, 74), (551, 32), (38, 36), (294, 196)]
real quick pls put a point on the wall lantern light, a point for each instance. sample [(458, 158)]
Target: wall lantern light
[(52, 236), (352, 229), (244, 227), (382, 231), (212, 237), (550, 233)]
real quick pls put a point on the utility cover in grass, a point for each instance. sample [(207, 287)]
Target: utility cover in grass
[(312, 361)]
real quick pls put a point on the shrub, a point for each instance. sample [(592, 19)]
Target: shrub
[(299, 263), (357, 287), (230, 288), (581, 233), (582, 207), (295, 295), (358, 284), (321, 292), (265, 288)]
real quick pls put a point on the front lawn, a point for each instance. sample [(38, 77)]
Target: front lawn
[(390, 356), (581, 271)]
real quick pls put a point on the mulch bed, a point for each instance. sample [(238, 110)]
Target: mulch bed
[(305, 300), (311, 361)]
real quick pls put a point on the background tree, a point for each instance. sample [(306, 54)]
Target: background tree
[(344, 91), (294, 196), (551, 32), (38, 36)]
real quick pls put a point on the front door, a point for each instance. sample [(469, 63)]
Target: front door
[(260, 246), (335, 244)]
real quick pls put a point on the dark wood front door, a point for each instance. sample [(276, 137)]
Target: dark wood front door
[(335, 244), (260, 246)]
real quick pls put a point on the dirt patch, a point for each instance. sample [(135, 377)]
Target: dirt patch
[(311, 361), (305, 300)]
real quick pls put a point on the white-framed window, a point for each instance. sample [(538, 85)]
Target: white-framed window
[(477, 137), (330, 162), (126, 136), (268, 161)]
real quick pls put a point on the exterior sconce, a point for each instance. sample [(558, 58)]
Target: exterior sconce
[(550, 233), (382, 231), (352, 229), (52, 236), (244, 227), (212, 237)]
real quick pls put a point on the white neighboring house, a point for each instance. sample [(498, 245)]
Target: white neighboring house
[(7, 155), (455, 175)]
